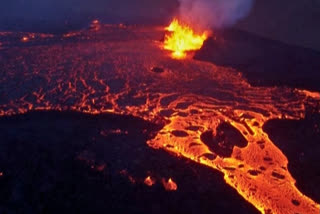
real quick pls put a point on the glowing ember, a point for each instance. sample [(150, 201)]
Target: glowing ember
[(24, 39), (126, 174), (149, 181), (183, 39), (95, 25), (169, 185)]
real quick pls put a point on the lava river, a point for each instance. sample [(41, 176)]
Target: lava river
[(211, 114)]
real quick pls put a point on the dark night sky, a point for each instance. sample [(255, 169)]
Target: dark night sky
[(36, 12), (292, 21)]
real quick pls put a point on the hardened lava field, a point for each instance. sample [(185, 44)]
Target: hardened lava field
[(209, 114)]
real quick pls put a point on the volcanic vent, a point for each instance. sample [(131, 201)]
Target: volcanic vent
[(182, 39)]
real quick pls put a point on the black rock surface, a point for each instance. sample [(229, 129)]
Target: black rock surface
[(263, 62), (64, 162), (300, 142)]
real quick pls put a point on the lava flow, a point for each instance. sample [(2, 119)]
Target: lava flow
[(182, 38), (212, 115)]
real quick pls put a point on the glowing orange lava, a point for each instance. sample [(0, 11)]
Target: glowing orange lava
[(169, 185), (149, 181), (24, 39), (111, 74), (182, 39)]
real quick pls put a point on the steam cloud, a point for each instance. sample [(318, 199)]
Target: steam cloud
[(213, 13)]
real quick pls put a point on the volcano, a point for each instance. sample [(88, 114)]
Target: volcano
[(105, 119)]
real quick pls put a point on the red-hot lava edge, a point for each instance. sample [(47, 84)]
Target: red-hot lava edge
[(109, 69)]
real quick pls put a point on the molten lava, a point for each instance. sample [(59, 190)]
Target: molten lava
[(213, 116), (149, 181), (169, 185), (182, 39)]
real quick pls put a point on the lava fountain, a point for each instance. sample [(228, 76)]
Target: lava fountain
[(183, 38)]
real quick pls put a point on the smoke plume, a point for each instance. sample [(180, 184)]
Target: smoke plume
[(207, 14)]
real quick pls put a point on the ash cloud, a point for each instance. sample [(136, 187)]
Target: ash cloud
[(207, 14)]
